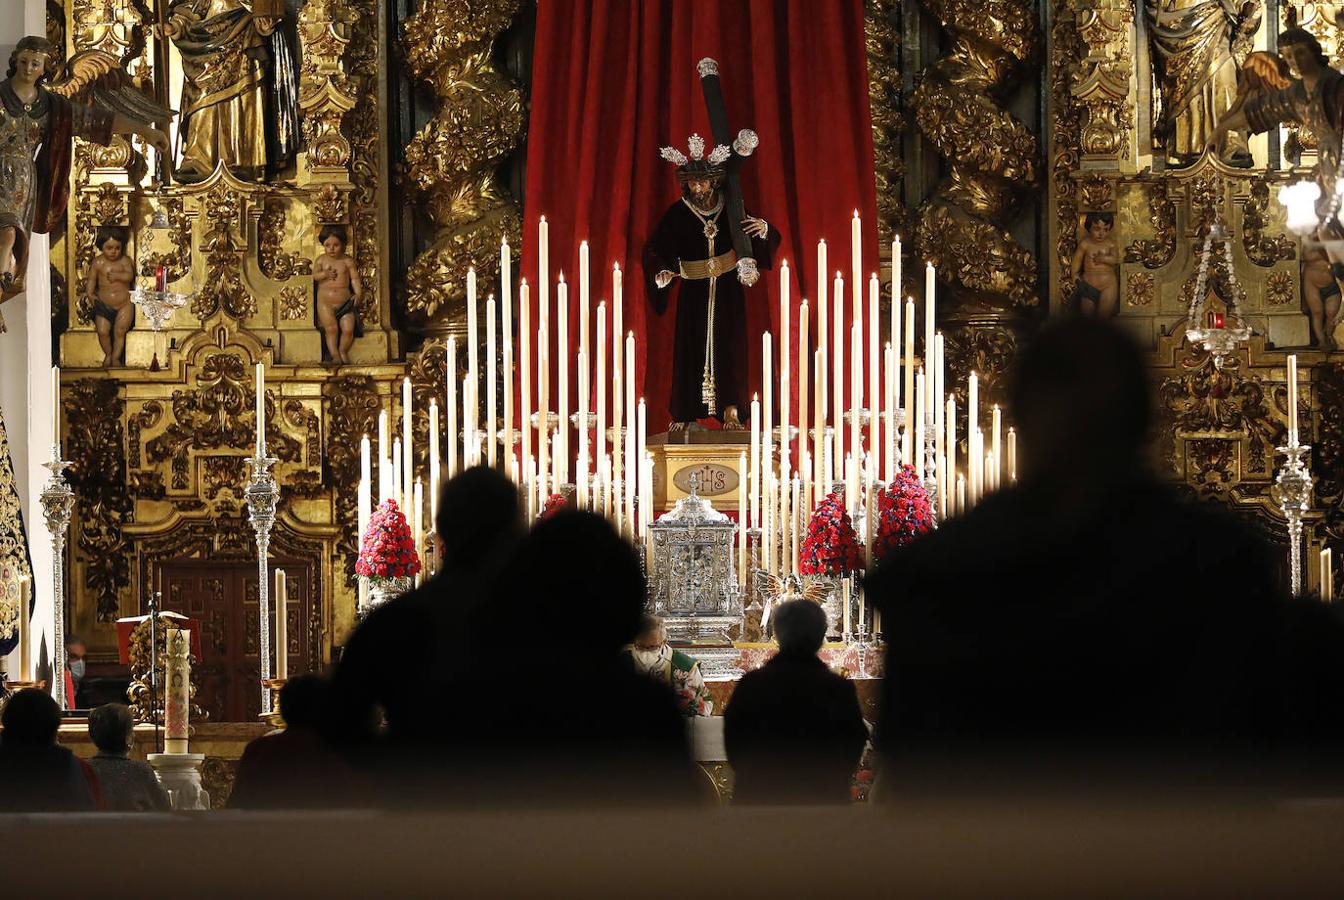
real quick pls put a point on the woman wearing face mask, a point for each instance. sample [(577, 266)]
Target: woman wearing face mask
[(74, 670)]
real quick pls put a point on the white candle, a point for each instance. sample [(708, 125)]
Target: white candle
[(1327, 576), (407, 439), (1292, 400), (856, 389), (562, 353), (177, 691), (418, 526), (768, 531), (755, 461), (584, 292), (973, 404), (870, 531), (506, 327), (940, 448), (907, 439), (364, 501), (261, 408), (582, 480), (56, 409), (397, 486), (640, 454), (896, 322), (996, 446), (491, 378), (1012, 456), (543, 277), (25, 629), (524, 371), (889, 433), (281, 625), (433, 462), (918, 447), (856, 266), (385, 491), (767, 411), (950, 438), (819, 442), (543, 402), (874, 378), (793, 524), (929, 328), (451, 381), (804, 414), (961, 494), (617, 385), (600, 435), (631, 459), (838, 366), (784, 352), (473, 336), (845, 602), (742, 520), (471, 445)]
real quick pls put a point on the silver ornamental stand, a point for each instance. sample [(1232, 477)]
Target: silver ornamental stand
[(1292, 490), (261, 495), (58, 500), (931, 485)]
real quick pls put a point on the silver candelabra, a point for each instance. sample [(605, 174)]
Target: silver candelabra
[(931, 485), (58, 501), (261, 494), (1292, 491)]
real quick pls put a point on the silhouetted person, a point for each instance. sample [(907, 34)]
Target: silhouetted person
[(793, 728), (404, 663), (36, 773), (294, 768), (128, 785), (561, 716), (1088, 620)]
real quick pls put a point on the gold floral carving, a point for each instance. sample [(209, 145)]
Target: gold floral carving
[(275, 262), (293, 303), (1280, 288), (1205, 400), (1327, 456), (1157, 251), (1101, 77), (882, 36), (451, 161), (325, 93), (362, 67), (223, 287), (1066, 48), (989, 352), (1262, 249), (98, 476), (1139, 289), (1097, 193), (216, 415), (990, 155)]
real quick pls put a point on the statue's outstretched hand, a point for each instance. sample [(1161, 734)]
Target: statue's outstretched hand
[(754, 227), (664, 278)]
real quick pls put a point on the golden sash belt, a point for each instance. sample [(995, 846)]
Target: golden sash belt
[(697, 269)]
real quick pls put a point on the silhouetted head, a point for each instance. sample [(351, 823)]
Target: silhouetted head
[(478, 517), (31, 719), (110, 727), (1081, 401), (800, 626), (303, 701), (575, 578)]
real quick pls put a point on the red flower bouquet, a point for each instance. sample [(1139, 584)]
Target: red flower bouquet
[(388, 549), (903, 513), (831, 547), (554, 504)]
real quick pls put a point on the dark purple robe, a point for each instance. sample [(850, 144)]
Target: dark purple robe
[(680, 237)]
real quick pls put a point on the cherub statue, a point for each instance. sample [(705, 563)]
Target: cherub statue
[(1096, 267), (108, 287), (1321, 294), (338, 291), (95, 100)]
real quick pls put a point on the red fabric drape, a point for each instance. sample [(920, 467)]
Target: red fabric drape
[(615, 80)]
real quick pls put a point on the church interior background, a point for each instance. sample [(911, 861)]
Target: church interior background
[(997, 129)]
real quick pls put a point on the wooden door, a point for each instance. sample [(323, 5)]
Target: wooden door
[(223, 598)]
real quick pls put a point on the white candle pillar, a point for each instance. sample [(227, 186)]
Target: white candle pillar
[(874, 379), (755, 477), (907, 439), (451, 408), (524, 371), (996, 446), (600, 434), (804, 414), (631, 456), (742, 520), (473, 342), (562, 399), (543, 401), (784, 352), (1291, 400), (433, 463), (856, 267), (917, 450), (856, 390), (838, 366), (641, 442), (617, 372), (506, 327), (889, 433), (491, 376), (407, 440), (385, 491), (582, 468), (418, 526), (281, 625), (260, 411), (767, 412), (929, 329), (820, 476)]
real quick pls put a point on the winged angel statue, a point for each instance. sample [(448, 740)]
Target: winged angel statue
[(94, 98)]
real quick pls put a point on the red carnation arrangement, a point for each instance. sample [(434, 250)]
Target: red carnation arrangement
[(388, 549), (554, 504), (903, 513), (831, 547)]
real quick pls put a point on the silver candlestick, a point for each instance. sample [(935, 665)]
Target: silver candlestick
[(931, 466), (58, 501), (261, 493), (1292, 491)]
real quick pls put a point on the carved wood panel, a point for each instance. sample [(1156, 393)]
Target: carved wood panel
[(223, 598)]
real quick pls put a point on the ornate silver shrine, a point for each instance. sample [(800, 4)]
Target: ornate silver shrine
[(693, 578)]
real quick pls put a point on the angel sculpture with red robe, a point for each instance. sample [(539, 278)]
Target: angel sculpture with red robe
[(95, 101)]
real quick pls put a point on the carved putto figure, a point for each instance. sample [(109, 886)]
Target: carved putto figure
[(108, 288), (1197, 46), (95, 101), (1096, 268), (239, 86), (336, 282)]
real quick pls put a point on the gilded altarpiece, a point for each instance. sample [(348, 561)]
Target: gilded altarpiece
[(1217, 427)]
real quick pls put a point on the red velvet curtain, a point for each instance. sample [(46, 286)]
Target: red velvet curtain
[(615, 80)]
